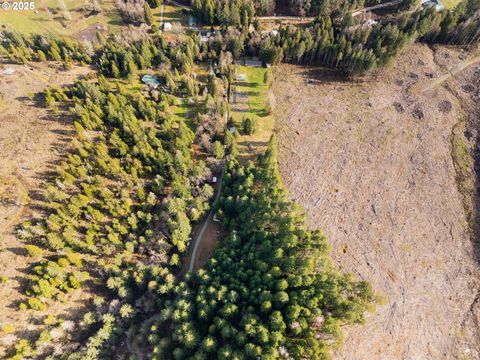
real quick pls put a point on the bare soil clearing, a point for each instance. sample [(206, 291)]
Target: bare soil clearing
[(32, 143), (371, 163)]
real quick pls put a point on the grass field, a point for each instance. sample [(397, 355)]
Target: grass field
[(449, 4), (170, 14), (252, 101), (61, 17)]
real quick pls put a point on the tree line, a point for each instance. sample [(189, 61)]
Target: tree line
[(241, 13), (336, 39), (20, 48)]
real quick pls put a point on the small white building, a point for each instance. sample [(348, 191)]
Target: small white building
[(167, 27)]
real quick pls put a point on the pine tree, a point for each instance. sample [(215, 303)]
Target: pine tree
[(148, 14)]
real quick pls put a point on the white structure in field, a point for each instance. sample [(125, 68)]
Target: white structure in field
[(167, 27)]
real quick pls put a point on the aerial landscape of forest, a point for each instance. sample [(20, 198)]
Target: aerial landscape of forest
[(239, 179)]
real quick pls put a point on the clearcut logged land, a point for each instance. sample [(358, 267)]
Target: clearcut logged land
[(385, 170), (33, 141)]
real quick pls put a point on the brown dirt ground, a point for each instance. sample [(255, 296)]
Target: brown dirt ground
[(371, 164), (207, 246), (32, 143)]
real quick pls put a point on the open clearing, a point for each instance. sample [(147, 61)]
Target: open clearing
[(63, 17), (32, 143), (374, 166), (251, 99)]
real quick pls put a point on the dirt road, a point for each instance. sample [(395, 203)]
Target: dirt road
[(430, 85), (209, 223), (372, 166)]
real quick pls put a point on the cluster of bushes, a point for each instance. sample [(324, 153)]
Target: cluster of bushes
[(53, 279), (270, 290)]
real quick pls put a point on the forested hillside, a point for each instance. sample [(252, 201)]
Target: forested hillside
[(118, 219), (338, 40), (270, 291)]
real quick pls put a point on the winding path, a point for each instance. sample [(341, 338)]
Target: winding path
[(425, 86)]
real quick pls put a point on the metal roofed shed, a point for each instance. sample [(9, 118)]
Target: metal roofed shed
[(167, 27), (242, 77), (436, 3), (253, 63), (151, 81)]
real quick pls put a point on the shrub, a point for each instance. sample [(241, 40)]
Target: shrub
[(36, 304), (74, 258), (50, 320), (267, 78), (63, 262), (218, 150), (249, 125), (8, 328), (34, 251)]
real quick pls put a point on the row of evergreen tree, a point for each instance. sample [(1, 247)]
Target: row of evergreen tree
[(334, 39), (238, 13)]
